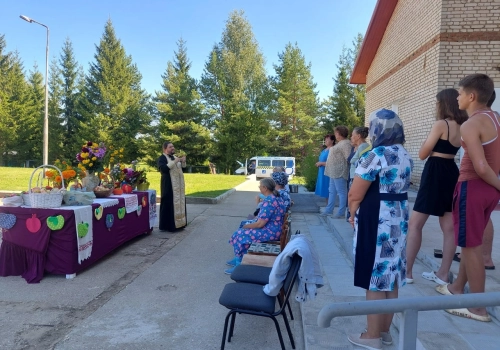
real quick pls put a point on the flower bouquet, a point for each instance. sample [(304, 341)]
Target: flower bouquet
[(132, 176), (90, 161)]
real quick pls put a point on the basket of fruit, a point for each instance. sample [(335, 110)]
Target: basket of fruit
[(45, 197), (102, 191)]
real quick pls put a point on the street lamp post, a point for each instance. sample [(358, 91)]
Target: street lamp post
[(46, 116)]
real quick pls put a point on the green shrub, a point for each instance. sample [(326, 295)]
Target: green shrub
[(309, 171)]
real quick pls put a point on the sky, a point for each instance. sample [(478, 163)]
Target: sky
[(149, 30)]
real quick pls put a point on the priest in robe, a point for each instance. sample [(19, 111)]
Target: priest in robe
[(173, 197)]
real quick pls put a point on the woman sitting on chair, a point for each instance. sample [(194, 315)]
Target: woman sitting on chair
[(281, 180), (267, 227)]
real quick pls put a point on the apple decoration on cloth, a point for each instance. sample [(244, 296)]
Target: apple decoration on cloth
[(110, 219), (144, 201), (98, 212), (82, 229), (139, 210), (126, 188), (55, 222), (121, 213), (33, 224), (7, 221)]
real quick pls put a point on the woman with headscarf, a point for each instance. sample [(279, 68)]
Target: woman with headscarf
[(281, 180), (267, 226), (378, 202)]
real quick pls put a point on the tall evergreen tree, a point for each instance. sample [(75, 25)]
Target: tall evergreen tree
[(117, 109), (359, 89), (72, 85), (340, 107), (297, 105), (180, 109), (30, 132), (235, 90), (56, 148)]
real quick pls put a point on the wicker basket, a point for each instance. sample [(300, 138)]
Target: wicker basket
[(46, 200), (103, 194), (26, 199)]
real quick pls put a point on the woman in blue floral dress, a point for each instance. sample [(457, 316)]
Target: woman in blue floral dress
[(379, 198), (281, 180), (267, 227)]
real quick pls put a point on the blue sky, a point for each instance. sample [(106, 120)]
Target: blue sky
[(149, 29)]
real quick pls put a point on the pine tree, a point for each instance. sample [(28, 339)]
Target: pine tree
[(116, 108), (181, 111), (30, 134), (235, 90), (297, 104), (56, 148), (72, 80), (15, 107), (340, 107)]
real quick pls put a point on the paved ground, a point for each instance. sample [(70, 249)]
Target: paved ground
[(161, 292)]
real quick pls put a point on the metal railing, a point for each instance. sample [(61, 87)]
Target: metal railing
[(409, 307)]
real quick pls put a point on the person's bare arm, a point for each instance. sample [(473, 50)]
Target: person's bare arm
[(434, 135), (356, 195), (471, 135)]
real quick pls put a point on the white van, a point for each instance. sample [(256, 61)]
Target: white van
[(265, 165)]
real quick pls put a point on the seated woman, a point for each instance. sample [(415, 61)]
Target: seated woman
[(281, 169), (281, 180), (267, 227)]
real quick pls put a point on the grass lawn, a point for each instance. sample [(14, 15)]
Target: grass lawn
[(197, 185)]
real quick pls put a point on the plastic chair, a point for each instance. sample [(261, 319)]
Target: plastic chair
[(249, 298)]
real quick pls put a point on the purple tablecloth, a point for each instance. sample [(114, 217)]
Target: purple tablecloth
[(30, 254)]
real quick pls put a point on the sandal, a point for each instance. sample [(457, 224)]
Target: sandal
[(467, 314), (456, 257), (431, 276)]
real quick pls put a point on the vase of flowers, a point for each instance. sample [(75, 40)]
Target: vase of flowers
[(132, 176), (90, 162)]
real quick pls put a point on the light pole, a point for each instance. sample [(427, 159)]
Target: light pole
[(46, 116)]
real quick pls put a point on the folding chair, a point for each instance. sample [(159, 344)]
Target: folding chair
[(249, 298)]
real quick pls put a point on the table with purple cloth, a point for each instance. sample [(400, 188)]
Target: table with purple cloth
[(29, 255)]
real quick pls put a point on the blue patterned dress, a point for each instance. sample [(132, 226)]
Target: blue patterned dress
[(381, 222), (272, 211), (285, 198)]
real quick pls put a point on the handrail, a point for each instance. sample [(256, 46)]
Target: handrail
[(409, 307)]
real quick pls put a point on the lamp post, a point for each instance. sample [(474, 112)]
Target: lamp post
[(46, 116)]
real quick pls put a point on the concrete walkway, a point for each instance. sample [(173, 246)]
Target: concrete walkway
[(161, 292)]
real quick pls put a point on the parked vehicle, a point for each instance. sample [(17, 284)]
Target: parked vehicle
[(242, 170), (264, 166)]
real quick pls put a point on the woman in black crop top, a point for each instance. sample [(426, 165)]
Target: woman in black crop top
[(437, 184)]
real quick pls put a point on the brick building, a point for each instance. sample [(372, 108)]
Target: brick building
[(413, 49)]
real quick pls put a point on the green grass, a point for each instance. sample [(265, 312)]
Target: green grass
[(197, 185)]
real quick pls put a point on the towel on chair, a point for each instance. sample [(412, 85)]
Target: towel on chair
[(310, 277)]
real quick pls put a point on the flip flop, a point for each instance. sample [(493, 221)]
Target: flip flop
[(456, 257), (431, 276), (409, 280), (489, 267), (443, 289), (467, 314)]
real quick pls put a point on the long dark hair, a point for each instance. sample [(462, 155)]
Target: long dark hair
[(448, 106)]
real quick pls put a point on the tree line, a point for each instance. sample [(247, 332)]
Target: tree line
[(234, 111)]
